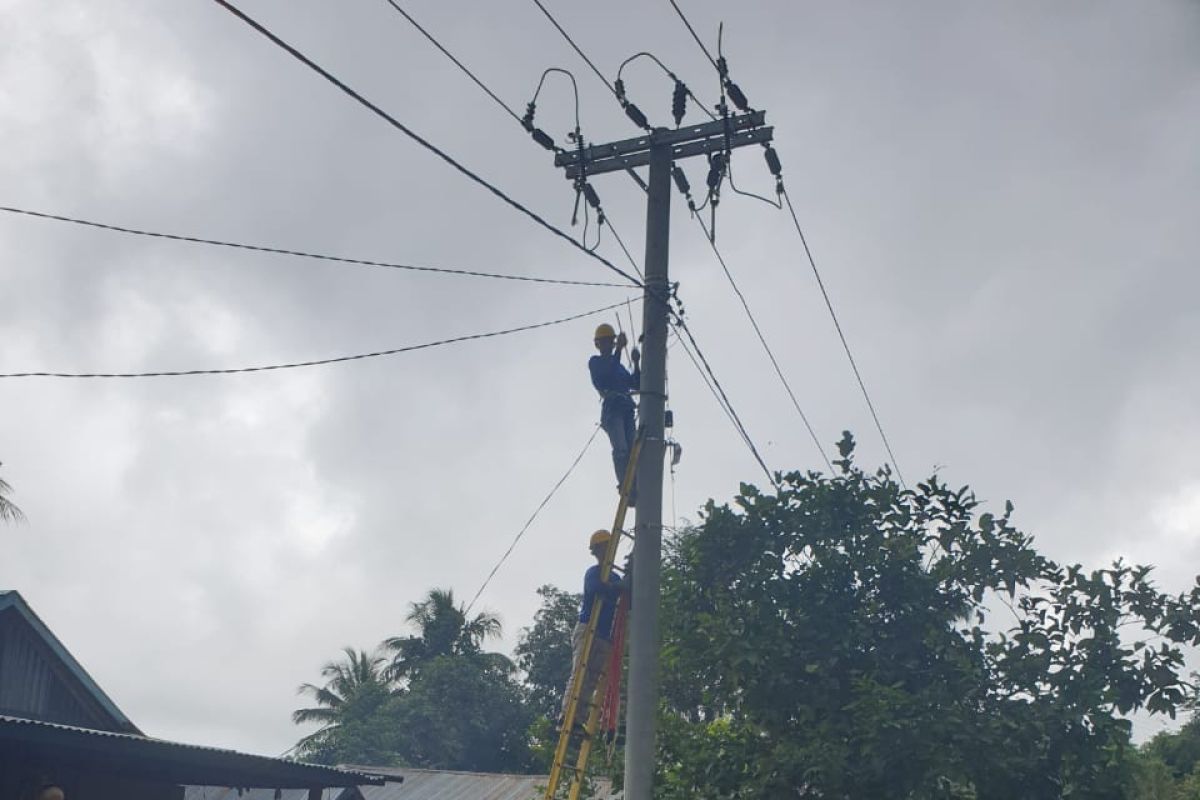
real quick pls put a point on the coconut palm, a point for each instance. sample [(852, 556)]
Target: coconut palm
[(8, 509), (443, 630), (358, 675)]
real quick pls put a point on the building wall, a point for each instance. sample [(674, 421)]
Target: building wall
[(20, 779), (35, 686)]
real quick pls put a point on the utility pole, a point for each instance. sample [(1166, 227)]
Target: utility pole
[(660, 149)]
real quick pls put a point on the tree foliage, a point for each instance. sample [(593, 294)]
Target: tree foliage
[(440, 702), (848, 638), (544, 650)]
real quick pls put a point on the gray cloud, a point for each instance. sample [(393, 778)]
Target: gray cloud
[(1001, 199)]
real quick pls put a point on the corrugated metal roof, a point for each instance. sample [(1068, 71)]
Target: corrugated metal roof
[(436, 784), (171, 762)]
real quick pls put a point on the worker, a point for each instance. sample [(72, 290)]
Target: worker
[(608, 591), (614, 383)]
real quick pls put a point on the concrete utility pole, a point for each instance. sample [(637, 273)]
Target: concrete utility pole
[(660, 150)]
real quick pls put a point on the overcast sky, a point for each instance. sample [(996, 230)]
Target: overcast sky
[(1002, 197)]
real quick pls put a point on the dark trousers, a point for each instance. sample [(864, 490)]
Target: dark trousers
[(618, 422)]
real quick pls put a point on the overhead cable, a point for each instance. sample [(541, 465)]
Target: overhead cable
[(571, 42), (763, 340), (301, 253), (316, 362), (737, 421), (537, 511), (416, 137), (692, 31), (450, 56), (841, 335)]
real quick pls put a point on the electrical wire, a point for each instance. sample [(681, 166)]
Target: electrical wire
[(737, 421), (574, 86), (582, 55), (537, 511), (457, 63), (416, 137), (841, 335), (670, 75), (318, 362), (692, 31), (300, 253), (763, 340)]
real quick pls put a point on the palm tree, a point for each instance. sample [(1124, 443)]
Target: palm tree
[(9, 512), (443, 630), (358, 674)]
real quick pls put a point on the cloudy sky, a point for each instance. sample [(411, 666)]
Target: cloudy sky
[(1002, 198)]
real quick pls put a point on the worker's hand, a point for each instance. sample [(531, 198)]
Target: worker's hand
[(622, 340), (636, 356)]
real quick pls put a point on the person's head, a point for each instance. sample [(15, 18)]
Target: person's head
[(605, 338), (51, 791), (599, 543)]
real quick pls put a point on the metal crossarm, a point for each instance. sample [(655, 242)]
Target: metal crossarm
[(575, 690)]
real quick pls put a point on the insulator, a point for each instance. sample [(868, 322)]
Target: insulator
[(735, 94), (619, 88), (681, 181), (679, 102), (716, 169), (722, 66), (773, 161), (527, 120), (668, 419), (592, 198), (635, 114), (542, 138)]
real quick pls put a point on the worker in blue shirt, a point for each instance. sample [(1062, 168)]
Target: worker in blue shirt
[(614, 383), (593, 588)]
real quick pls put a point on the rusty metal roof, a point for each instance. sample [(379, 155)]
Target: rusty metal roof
[(436, 784)]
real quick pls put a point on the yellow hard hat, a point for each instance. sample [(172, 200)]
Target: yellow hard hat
[(604, 330), (599, 537)]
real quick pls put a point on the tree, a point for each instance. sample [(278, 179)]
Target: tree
[(544, 650), (355, 691), (9, 512), (440, 701), (443, 630), (840, 638)]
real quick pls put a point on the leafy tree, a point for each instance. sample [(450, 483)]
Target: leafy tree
[(840, 638), (544, 650), (354, 693), (440, 701), (9, 512), (463, 713), (442, 630)]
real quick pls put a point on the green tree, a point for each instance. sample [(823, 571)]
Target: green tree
[(544, 649), (442, 630), (347, 708), (840, 638), (9, 512)]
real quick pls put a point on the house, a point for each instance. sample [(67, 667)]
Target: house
[(58, 726)]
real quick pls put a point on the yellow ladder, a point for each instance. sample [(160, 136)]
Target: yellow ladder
[(589, 636)]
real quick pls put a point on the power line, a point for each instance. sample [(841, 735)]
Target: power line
[(299, 253), (841, 335), (692, 31), (457, 63), (571, 42), (737, 421), (545, 501), (416, 137), (318, 362), (763, 339)]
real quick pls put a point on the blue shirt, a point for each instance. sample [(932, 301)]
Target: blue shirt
[(593, 587), (612, 380)]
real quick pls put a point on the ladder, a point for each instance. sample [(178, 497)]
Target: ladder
[(560, 763)]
